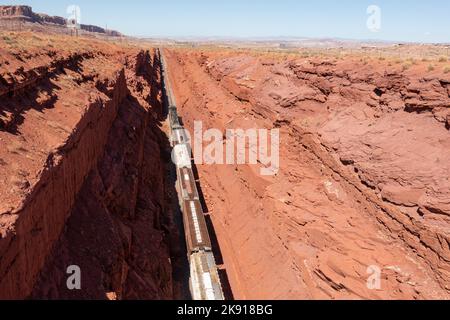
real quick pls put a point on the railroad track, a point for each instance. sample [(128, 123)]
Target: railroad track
[(204, 281)]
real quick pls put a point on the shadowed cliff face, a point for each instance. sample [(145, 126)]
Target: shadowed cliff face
[(116, 232), (364, 177), (50, 145), (83, 180)]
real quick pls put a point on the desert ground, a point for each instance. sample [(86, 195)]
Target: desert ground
[(363, 180)]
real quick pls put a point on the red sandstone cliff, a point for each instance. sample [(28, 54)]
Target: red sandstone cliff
[(363, 179), (16, 11), (76, 187), (26, 14), (124, 193)]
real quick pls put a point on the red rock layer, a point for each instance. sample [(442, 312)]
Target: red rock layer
[(16, 11)]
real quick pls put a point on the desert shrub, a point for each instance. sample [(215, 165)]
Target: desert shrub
[(430, 67), (406, 66), (8, 40), (443, 59), (447, 69)]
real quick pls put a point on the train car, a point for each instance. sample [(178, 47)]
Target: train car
[(173, 117), (204, 276), (179, 136), (204, 280), (182, 156), (196, 230), (187, 185)]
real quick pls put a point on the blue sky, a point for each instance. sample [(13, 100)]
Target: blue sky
[(401, 20)]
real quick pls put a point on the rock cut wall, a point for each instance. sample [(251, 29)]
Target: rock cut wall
[(42, 217)]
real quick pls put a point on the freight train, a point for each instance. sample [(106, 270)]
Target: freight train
[(204, 276)]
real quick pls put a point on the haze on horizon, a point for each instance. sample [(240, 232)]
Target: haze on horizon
[(400, 20)]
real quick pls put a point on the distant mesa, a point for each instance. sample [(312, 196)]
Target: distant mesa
[(24, 14)]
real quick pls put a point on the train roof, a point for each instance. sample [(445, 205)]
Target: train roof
[(188, 184), (182, 156), (197, 236)]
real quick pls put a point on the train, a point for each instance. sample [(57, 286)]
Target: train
[(204, 281)]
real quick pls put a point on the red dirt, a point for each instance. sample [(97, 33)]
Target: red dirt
[(364, 177)]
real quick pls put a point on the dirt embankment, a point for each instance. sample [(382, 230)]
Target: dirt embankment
[(364, 177), (81, 172)]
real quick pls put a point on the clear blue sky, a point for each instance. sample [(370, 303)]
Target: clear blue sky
[(401, 20)]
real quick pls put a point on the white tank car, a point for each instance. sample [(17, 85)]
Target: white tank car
[(204, 281), (182, 156), (179, 136)]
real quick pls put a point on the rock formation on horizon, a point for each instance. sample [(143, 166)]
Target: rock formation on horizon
[(25, 14)]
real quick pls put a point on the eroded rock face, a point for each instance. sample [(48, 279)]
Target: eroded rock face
[(125, 195), (75, 185), (16, 11), (26, 14), (44, 18), (364, 178)]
